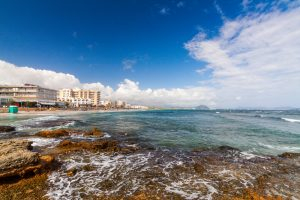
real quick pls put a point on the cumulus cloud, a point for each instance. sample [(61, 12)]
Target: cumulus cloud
[(185, 97), (255, 57), (127, 90), (11, 74)]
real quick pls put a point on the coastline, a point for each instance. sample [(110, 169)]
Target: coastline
[(65, 112)]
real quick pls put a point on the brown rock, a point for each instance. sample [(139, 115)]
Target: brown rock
[(53, 133), (16, 159), (103, 145), (289, 155), (71, 172), (88, 168), (199, 168), (94, 132), (47, 159), (32, 188), (7, 128)]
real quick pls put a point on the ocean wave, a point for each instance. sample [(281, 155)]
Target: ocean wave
[(278, 118), (291, 120), (280, 148)]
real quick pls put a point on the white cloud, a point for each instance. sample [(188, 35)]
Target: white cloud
[(164, 11), (130, 91), (128, 64), (219, 10), (254, 53), (245, 4), (11, 74), (127, 90)]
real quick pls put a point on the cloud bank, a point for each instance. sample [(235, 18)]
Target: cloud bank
[(127, 90), (255, 59)]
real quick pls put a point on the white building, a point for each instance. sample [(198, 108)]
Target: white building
[(87, 97), (77, 102), (28, 93)]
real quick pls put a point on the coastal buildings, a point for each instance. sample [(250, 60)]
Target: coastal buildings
[(27, 94), (79, 97)]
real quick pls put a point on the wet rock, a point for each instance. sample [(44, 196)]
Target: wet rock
[(32, 188), (16, 159), (102, 145), (94, 132), (53, 133), (289, 155), (47, 159), (88, 168), (227, 148), (199, 168), (72, 171), (7, 129)]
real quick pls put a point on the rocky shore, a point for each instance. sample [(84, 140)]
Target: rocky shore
[(94, 163)]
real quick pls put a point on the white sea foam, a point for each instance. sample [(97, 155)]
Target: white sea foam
[(248, 155), (41, 142), (126, 175), (291, 120), (280, 148)]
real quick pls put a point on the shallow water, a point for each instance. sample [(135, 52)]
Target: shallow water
[(259, 132), (179, 154)]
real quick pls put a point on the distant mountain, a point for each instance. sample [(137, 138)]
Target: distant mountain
[(202, 107)]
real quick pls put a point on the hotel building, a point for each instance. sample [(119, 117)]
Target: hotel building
[(26, 93), (78, 97)]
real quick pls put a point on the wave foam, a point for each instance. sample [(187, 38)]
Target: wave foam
[(41, 142), (126, 175), (291, 120)]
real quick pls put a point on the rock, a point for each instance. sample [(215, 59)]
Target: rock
[(53, 133), (103, 145), (47, 159), (289, 155), (16, 159), (227, 148), (7, 128), (72, 171), (198, 167), (31, 188), (88, 168), (94, 132)]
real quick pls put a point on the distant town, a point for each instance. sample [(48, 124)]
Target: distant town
[(35, 96)]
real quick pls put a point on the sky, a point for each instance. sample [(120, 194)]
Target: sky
[(172, 53)]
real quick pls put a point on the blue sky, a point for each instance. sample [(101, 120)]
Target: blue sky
[(200, 51), (90, 39)]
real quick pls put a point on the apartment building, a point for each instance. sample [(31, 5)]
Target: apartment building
[(79, 97), (27, 93)]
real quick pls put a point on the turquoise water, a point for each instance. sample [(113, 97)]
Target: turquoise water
[(259, 132)]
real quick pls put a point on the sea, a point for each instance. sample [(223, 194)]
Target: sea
[(231, 146)]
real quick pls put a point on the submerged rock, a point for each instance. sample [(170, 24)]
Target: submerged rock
[(94, 132), (102, 145), (16, 159), (68, 132), (7, 129), (53, 133), (289, 155)]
